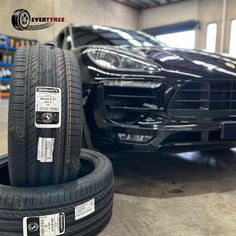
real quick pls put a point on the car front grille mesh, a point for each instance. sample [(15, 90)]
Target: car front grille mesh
[(205, 95), (128, 104)]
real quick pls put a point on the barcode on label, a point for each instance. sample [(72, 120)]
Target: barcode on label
[(42, 222), (49, 109), (45, 149), (84, 209)]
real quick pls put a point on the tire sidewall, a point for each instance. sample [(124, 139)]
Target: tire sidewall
[(102, 170)]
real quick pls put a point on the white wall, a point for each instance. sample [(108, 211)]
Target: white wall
[(204, 11), (79, 12), (169, 14), (42, 7), (104, 12), (210, 11), (111, 13), (231, 15)]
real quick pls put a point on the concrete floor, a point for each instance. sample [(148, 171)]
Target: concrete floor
[(169, 194)]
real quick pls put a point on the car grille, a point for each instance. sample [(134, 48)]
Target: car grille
[(205, 95), (128, 104)]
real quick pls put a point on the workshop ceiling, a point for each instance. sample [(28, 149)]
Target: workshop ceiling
[(143, 4)]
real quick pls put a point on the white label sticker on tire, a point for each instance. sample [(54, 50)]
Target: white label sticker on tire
[(84, 209), (47, 107), (45, 149), (48, 225)]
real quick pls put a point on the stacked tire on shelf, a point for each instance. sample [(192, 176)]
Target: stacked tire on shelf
[(54, 187)]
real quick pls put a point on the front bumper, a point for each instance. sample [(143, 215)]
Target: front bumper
[(177, 129), (180, 136)]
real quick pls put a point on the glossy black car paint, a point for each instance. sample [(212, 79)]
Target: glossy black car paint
[(161, 111)]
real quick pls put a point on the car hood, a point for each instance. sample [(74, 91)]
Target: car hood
[(180, 63), (185, 62), (200, 63)]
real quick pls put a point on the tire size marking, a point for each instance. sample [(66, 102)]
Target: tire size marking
[(45, 149), (48, 225), (47, 107), (84, 209)]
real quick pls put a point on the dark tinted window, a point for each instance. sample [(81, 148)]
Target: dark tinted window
[(99, 35), (83, 37)]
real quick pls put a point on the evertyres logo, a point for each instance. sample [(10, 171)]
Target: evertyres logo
[(21, 20)]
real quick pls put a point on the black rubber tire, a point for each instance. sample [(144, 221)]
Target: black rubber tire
[(17, 203), (44, 65)]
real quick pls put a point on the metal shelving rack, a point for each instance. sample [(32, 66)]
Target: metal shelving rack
[(8, 46)]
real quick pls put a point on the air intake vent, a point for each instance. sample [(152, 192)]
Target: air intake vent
[(128, 104), (205, 95)]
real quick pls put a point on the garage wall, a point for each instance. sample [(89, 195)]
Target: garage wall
[(111, 13), (209, 12), (103, 12), (231, 15), (34, 7), (169, 14), (204, 11), (80, 12)]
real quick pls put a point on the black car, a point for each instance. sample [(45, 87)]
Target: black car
[(140, 95)]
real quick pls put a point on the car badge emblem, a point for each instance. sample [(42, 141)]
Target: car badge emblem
[(230, 65)]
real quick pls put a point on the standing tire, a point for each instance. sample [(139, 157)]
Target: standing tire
[(85, 203), (45, 154)]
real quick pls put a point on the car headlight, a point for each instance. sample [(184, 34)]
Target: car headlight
[(118, 61)]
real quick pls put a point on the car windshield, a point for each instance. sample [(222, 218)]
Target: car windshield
[(100, 35)]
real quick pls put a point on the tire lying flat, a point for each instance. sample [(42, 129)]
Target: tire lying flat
[(18, 203), (44, 66)]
